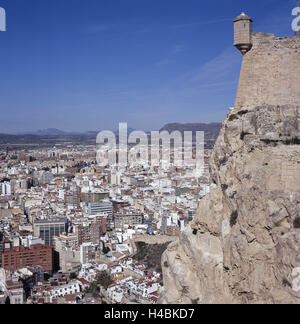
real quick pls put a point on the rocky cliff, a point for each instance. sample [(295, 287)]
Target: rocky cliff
[(244, 244)]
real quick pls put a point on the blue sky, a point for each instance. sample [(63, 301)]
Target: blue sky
[(81, 65)]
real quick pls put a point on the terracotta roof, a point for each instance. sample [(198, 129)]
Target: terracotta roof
[(83, 281)]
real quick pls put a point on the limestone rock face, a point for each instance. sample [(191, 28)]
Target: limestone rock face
[(244, 244)]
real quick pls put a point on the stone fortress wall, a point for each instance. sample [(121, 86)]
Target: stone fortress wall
[(270, 72)]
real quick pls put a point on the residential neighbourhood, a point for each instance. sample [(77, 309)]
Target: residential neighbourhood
[(64, 220)]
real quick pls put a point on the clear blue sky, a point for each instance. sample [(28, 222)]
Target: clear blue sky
[(81, 65)]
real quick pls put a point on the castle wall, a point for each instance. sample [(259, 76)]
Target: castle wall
[(270, 72)]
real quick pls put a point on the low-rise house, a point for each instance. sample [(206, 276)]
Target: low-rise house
[(115, 293), (15, 291), (70, 288)]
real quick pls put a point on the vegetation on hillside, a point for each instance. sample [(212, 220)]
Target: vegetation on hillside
[(103, 279), (150, 254)]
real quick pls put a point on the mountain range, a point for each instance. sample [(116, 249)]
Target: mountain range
[(53, 135)]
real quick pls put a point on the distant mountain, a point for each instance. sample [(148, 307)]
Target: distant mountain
[(211, 130), (46, 140), (52, 136), (46, 132)]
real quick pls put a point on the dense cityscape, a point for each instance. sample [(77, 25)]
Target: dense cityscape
[(72, 231)]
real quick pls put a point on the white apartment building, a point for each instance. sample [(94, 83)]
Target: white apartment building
[(6, 189), (70, 288)]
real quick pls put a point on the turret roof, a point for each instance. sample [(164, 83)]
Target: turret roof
[(242, 16)]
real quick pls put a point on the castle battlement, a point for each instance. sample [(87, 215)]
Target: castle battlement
[(270, 72), (270, 41)]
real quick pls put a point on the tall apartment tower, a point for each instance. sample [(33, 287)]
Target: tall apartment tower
[(49, 228), (243, 33)]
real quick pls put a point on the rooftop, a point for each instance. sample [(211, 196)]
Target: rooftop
[(243, 16)]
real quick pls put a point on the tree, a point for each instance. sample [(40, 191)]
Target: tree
[(73, 275), (104, 279), (93, 289)]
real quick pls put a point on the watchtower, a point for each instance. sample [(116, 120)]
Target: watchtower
[(243, 33)]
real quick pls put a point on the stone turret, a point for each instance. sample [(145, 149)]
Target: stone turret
[(243, 33)]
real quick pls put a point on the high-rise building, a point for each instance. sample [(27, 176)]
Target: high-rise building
[(46, 229), (89, 232), (87, 253), (68, 250), (101, 207), (15, 258), (126, 218), (66, 241), (73, 198), (93, 197), (6, 189)]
